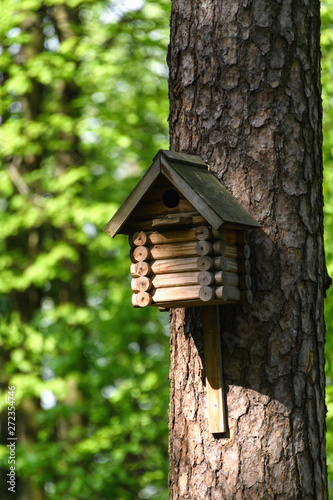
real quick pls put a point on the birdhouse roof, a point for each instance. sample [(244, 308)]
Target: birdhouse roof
[(193, 179)]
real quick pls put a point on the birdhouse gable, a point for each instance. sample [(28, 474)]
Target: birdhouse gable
[(176, 188)]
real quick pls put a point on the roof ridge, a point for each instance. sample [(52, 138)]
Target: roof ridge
[(179, 157)]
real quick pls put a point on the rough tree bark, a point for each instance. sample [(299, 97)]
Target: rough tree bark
[(245, 96)]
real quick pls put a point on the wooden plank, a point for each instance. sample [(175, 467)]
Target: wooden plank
[(170, 251), (174, 279), (165, 266), (173, 294), (169, 236), (192, 303), (176, 236), (146, 225), (214, 370), (173, 250), (175, 221)]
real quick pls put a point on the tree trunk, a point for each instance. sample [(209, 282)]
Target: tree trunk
[(245, 96)]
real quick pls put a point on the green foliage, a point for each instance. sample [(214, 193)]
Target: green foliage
[(327, 83), (84, 108)]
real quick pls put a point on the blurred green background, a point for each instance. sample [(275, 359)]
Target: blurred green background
[(84, 107), (327, 84)]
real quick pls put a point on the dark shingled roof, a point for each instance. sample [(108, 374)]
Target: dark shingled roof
[(191, 176)]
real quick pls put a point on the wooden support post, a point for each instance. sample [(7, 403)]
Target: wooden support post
[(213, 367)]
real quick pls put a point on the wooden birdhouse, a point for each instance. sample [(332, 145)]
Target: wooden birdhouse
[(188, 236), (189, 247)]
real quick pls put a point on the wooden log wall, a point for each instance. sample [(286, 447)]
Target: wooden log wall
[(228, 272), (190, 267)]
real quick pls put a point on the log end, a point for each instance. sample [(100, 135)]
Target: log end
[(139, 254), (205, 278), (247, 297), (204, 248), (140, 269), (202, 233), (205, 263), (206, 293), (137, 239), (141, 299), (141, 284)]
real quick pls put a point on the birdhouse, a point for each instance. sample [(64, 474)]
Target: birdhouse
[(188, 236), (189, 247)]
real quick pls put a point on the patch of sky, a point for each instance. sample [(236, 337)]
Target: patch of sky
[(90, 137), (115, 11), (97, 170), (14, 49), (89, 229), (108, 391), (14, 32), (98, 97), (148, 491), (52, 44), (155, 351), (15, 107), (159, 68), (47, 374), (134, 347), (48, 399)]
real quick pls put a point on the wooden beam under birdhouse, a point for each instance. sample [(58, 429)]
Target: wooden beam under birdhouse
[(214, 370)]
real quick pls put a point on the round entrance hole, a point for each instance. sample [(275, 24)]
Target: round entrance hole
[(170, 198)]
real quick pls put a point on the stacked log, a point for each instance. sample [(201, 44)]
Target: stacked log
[(184, 267), (164, 265), (225, 275)]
